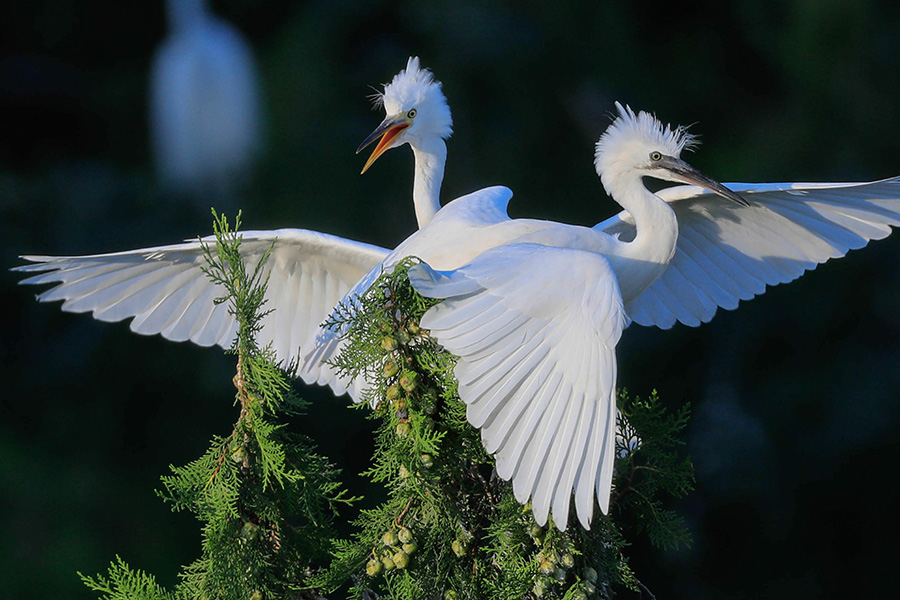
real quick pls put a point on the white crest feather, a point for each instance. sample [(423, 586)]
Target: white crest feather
[(641, 129), (415, 87)]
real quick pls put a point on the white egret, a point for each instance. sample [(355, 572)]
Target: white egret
[(534, 309), (166, 292), (418, 115), (205, 102)]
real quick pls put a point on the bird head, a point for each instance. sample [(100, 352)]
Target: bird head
[(639, 145), (416, 110)]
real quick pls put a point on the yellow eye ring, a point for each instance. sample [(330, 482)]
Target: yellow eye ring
[(655, 156), (411, 114)]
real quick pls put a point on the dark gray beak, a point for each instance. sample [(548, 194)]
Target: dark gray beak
[(685, 173)]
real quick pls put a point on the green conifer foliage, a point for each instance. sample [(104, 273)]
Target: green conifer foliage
[(450, 527), (265, 498)]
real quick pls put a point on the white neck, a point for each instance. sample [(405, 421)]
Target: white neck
[(430, 154), (649, 253)]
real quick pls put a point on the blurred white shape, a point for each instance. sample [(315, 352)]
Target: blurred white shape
[(205, 103)]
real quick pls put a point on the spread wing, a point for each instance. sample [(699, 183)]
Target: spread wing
[(727, 253), (452, 231), (165, 291), (535, 330)]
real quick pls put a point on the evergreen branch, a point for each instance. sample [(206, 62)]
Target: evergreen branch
[(124, 583), (449, 527), (265, 497), (470, 537)]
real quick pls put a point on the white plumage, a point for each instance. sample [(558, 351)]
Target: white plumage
[(537, 367), (534, 309), (418, 115), (727, 253), (166, 292)]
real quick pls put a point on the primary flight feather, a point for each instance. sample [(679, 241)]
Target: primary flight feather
[(534, 309), (166, 292)]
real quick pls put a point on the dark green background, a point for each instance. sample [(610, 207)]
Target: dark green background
[(795, 394)]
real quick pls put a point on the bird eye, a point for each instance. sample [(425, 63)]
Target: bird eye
[(411, 114), (655, 156)]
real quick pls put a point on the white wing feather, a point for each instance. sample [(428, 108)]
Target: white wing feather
[(450, 236), (727, 253), (536, 367), (165, 290)]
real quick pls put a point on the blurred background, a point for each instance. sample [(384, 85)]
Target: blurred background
[(796, 413)]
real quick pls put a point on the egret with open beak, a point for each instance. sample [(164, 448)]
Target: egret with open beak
[(389, 129)]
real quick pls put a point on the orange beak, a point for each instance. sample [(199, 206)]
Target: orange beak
[(388, 130)]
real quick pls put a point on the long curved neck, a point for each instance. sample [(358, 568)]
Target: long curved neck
[(430, 157), (649, 253), (655, 224)]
